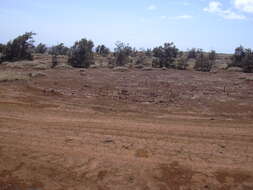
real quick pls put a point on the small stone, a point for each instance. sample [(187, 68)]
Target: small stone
[(108, 141)]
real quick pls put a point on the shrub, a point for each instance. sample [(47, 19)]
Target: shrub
[(59, 49), (212, 55), (243, 58), (122, 59), (194, 53), (140, 60), (102, 50), (182, 63), (81, 54), (19, 49), (122, 53), (2, 47), (166, 54), (203, 63), (6, 76), (238, 56), (40, 48), (148, 52), (247, 61)]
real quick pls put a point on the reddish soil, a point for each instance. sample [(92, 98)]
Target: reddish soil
[(146, 130)]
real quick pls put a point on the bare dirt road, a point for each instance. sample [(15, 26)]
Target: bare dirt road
[(145, 130)]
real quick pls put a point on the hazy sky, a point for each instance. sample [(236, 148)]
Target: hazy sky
[(220, 25)]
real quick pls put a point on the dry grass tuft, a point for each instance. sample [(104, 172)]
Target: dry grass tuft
[(12, 76)]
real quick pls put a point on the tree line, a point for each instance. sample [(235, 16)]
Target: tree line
[(81, 54)]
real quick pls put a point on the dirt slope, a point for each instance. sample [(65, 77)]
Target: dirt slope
[(99, 130)]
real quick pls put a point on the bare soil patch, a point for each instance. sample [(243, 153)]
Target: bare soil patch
[(99, 129)]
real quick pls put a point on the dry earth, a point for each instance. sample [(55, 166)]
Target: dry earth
[(97, 129)]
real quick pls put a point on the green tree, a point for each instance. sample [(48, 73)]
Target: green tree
[(102, 50), (19, 48), (59, 49), (41, 48), (122, 53), (2, 47), (148, 52), (212, 55), (81, 54), (238, 56), (166, 54), (243, 58), (204, 63), (247, 61)]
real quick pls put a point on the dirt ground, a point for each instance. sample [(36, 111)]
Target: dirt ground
[(97, 129)]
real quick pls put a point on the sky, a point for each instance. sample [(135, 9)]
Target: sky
[(221, 25)]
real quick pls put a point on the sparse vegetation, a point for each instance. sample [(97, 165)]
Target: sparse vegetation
[(81, 54), (166, 56)]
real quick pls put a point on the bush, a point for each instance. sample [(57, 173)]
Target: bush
[(247, 61), (148, 52), (2, 47), (204, 63), (81, 54), (194, 53), (212, 55), (102, 50), (122, 53), (19, 49), (182, 63), (243, 58), (238, 56), (59, 49), (166, 54), (40, 48), (122, 59), (140, 60)]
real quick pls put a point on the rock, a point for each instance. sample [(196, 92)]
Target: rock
[(36, 74), (41, 67), (235, 69), (63, 66), (221, 66), (138, 66), (108, 141), (82, 70), (147, 69), (249, 78), (120, 69), (93, 66)]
